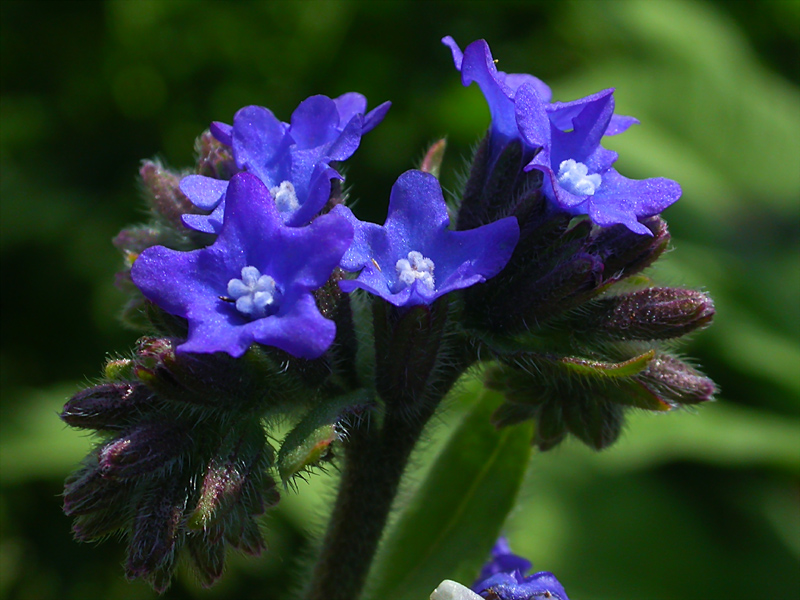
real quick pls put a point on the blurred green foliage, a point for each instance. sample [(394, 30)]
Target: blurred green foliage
[(693, 505)]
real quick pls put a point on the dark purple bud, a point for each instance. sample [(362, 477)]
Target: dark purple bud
[(626, 253), (147, 449), (110, 406), (215, 159), (162, 190), (87, 490), (152, 547), (227, 482), (650, 314), (676, 382)]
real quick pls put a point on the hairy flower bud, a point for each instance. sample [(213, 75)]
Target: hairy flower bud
[(625, 253), (214, 159), (162, 191), (151, 552), (109, 406), (148, 447), (674, 381), (649, 314)]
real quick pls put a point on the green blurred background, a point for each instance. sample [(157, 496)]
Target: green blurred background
[(691, 505)]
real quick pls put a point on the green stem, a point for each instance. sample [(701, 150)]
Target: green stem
[(374, 464)]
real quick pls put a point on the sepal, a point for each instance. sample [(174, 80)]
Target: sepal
[(407, 343)]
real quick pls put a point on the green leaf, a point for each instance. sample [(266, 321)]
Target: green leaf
[(310, 440), (450, 524), (593, 368)]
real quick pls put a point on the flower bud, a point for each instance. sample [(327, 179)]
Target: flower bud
[(109, 406), (162, 190), (625, 253), (214, 159), (676, 382), (649, 314), (151, 552), (242, 456), (147, 448)]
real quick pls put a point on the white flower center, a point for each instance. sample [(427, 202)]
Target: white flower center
[(285, 197), (416, 267), (255, 294), (573, 177)]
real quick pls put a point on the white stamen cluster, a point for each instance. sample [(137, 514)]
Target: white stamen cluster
[(573, 177), (254, 293), (285, 197), (416, 267)]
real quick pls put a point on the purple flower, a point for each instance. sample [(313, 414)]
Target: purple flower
[(578, 176), (254, 283), (502, 578), (562, 139), (414, 258), (500, 89), (292, 159), (503, 561)]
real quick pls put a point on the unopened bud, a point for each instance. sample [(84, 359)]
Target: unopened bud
[(214, 159), (151, 447), (673, 380), (151, 552), (625, 253), (162, 190), (109, 406), (650, 314)]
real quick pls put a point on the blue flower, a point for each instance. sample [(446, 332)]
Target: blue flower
[(292, 159), (562, 139), (578, 176), (502, 578), (414, 258), (500, 90), (255, 283)]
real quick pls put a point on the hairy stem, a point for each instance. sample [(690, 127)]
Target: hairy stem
[(374, 464)]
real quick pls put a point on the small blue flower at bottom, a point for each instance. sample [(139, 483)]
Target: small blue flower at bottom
[(254, 283), (502, 578), (414, 258)]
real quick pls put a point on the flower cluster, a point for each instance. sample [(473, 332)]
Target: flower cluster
[(265, 299)]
